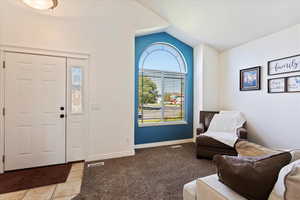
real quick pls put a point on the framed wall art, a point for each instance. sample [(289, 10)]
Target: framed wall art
[(277, 85), (284, 65), (250, 79), (293, 83)]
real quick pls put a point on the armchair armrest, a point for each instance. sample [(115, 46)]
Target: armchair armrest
[(201, 129), (242, 133)]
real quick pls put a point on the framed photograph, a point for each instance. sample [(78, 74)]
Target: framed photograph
[(293, 83), (250, 79), (284, 65), (277, 85)]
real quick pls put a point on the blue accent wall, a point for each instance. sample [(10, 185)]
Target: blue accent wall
[(162, 133)]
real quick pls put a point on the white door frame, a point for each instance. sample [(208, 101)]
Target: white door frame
[(29, 50)]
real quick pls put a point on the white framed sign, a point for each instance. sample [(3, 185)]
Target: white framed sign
[(277, 85), (284, 65), (293, 84)]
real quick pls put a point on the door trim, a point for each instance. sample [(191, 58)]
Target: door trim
[(2, 138), (36, 51), (47, 52)]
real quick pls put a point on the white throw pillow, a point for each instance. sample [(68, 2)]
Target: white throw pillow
[(287, 186)]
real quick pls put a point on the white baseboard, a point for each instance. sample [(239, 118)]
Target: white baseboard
[(167, 143), (110, 155)]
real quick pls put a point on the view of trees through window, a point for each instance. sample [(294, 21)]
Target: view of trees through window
[(161, 86)]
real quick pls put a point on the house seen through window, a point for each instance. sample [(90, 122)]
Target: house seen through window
[(162, 74)]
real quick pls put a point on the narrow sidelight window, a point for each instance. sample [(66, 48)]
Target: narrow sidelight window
[(76, 90)]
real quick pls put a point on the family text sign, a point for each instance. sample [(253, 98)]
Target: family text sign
[(284, 65)]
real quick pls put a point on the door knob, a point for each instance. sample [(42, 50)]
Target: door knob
[(62, 108), (62, 116)]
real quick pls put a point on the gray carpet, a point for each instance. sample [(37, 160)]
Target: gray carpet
[(152, 174)]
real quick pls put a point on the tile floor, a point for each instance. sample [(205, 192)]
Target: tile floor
[(62, 191)]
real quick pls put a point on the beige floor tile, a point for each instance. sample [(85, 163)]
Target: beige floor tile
[(65, 198), (77, 166), (75, 175), (67, 189), (13, 195), (40, 193)]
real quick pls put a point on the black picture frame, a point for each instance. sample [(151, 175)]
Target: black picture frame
[(285, 85), (258, 79), (288, 57)]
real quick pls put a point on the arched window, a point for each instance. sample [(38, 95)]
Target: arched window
[(162, 74)]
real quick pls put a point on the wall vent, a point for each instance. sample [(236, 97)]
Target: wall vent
[(96, 164), (176, 146)]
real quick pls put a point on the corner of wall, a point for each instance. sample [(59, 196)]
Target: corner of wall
[(151, 21), (198, 84), (206, 80)]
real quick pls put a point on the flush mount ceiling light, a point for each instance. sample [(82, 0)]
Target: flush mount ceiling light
[(41, 4)]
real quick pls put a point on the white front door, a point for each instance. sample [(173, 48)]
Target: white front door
[(35, 104)]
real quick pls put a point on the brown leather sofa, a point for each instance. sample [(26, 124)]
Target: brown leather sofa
[(207, 147)]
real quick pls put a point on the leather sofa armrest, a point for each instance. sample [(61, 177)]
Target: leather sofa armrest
[(242, 133), (200, 130)]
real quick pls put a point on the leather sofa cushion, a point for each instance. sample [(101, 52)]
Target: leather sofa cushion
[(251, 177), (203, 140)]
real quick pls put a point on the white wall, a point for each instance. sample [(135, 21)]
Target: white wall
[(273, 119), (210, 76), (206, 81), (105, 30)]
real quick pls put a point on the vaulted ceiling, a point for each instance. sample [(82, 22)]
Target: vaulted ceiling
[(224, 24)]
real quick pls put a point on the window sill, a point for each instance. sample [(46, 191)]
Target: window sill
[(163, 123)]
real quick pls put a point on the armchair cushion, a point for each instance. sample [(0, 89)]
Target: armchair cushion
[(203, 140)]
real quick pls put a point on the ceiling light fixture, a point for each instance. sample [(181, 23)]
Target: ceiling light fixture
[(41, 4)]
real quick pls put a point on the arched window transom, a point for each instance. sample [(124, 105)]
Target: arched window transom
[(162, 57)]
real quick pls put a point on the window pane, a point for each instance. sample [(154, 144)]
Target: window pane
[(173, 98), (76, 90), (150, 97)]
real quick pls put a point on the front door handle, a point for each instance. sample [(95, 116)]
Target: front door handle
[(62, 116)]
